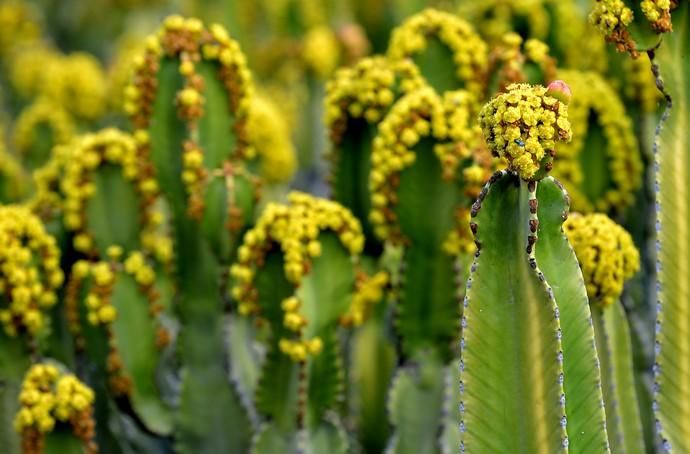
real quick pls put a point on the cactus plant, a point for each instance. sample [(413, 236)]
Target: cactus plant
[(537, 373)]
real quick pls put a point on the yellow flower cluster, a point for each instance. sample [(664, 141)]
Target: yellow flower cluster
[(367, 90), (611, 15), (17, 25), (75, 81), (295, 228), (468, 49), (42, 113), (523, 125), (90, 152), (119, 71), (29, 271), (594, 96), (658, 12), (47, 199), (190, 42), (268, 133), (612, 18), (100, 311), (297, 349), (49, 395), (417, 115), (369, 291), (321, 51), (30, 68), (606, 254)]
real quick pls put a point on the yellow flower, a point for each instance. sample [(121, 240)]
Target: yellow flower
[(606, 253), (508, 122)]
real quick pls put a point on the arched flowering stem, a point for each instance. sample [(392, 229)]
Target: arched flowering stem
[(29, 261), (447, 50), (296, 276), (189, 102)]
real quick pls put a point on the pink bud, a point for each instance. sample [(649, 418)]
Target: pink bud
[(559, 90)]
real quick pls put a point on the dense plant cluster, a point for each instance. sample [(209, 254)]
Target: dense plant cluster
[(337, 227)]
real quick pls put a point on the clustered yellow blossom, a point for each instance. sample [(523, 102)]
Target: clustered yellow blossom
[(297, 349), (606, 253), (190, 42), (468, 50), (75, 81), (320, 51), (29, 271), (295, 228), (448, 121), (18, 25), (658, 12), (366, 91), (42, 113), (523, 125), (593, 96), (269, 134), (99, 309), (369, 291), (612, 18), (49, 395), (111, 147), (30, 68)]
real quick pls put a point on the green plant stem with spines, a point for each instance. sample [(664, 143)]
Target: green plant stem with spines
[(672, 342), (615, 354), (427, 307), (201, 416), (582, 375), (510, 371)]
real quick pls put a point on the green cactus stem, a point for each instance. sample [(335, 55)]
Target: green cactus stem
[(672, 340), (189, 103)]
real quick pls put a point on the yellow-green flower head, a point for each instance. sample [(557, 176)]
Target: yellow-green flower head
[(321, 51), (30, 271), (469, 51), (369, 291), (606, 253), (658, 12), (269, 134), (18, 25), (79, 85), (594, 98), (31, 67), (47, 200), (612, 18), (120, 68), (295, 228), (42, 114), (366, 91), (523, 126), (50, 395)]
